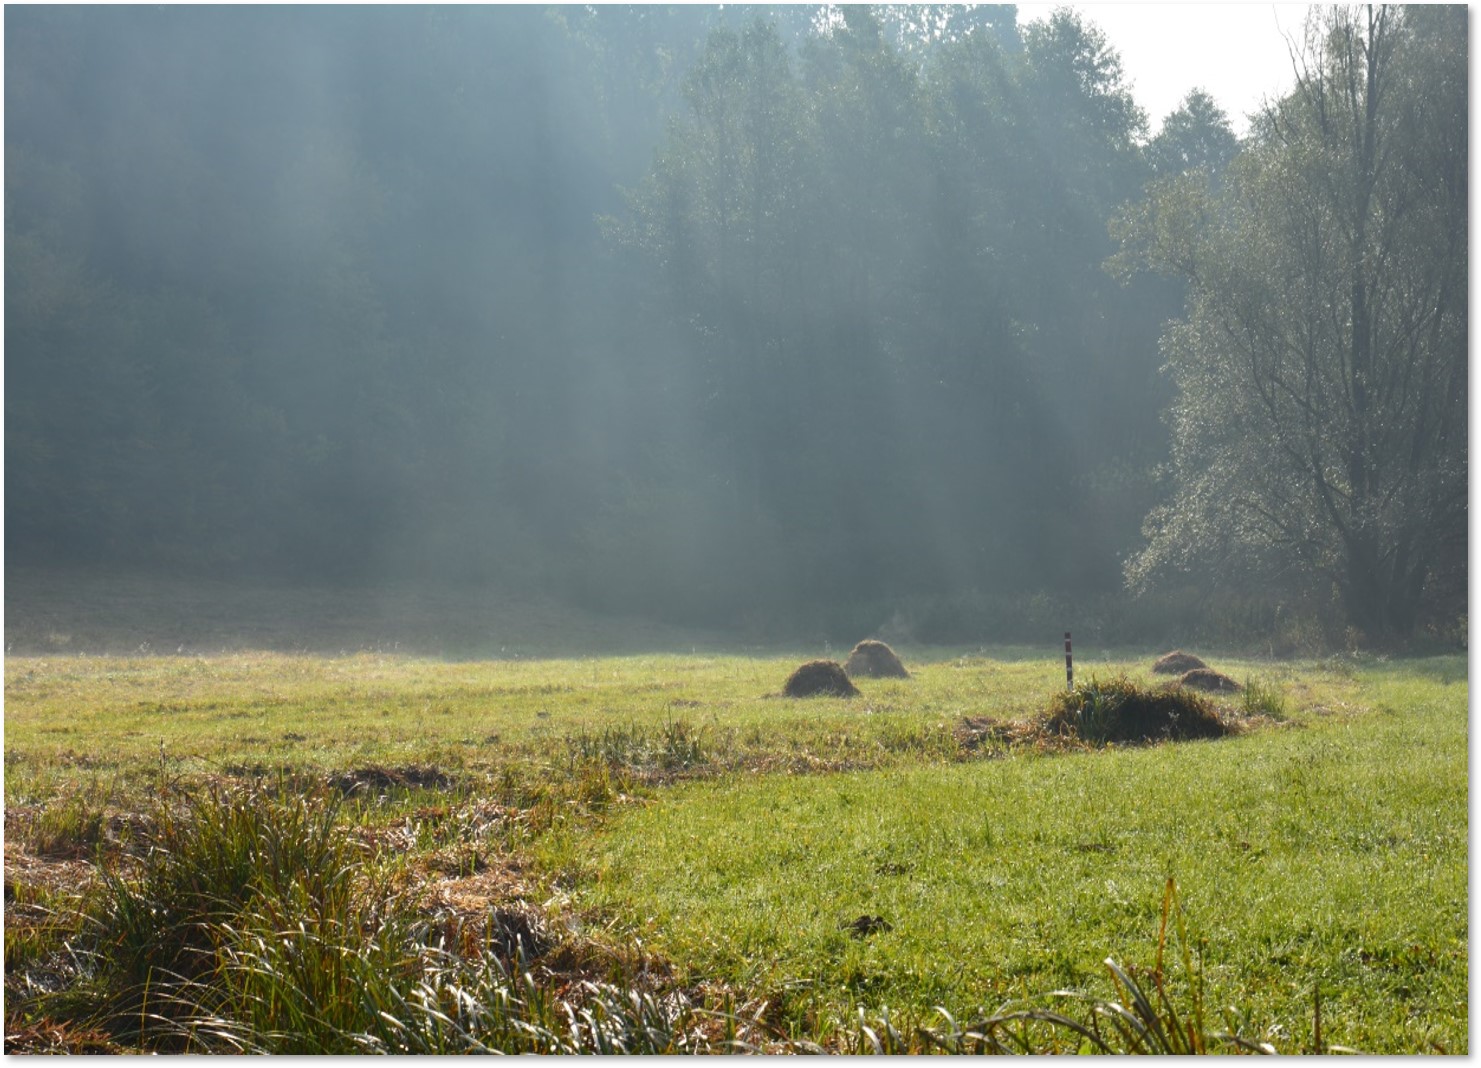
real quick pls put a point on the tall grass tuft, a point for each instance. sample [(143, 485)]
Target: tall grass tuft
[(223, 854), (1120, 711), (69, 827), (251, 929), (392, 993), (669, 747), (1263, 700)]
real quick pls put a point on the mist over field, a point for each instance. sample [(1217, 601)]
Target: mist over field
[(775, 321), (558, 529)]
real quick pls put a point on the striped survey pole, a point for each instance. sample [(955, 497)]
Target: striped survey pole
[(1069, 664)]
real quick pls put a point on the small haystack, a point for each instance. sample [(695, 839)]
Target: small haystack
[(1210, 681), (875, 660), (1177, 662), (818, 678)]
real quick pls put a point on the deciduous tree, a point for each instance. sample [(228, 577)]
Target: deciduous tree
[(1320, 428)]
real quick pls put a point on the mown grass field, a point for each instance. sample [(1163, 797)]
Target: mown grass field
[(673, 822)]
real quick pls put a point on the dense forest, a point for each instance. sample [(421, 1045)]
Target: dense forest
[(743, 315)]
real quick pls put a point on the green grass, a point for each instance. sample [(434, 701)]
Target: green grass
[(104, 719), (687, 823), (1329, 856), (97, 719)]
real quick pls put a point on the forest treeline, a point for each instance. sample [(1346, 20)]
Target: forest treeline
[(750, 313)]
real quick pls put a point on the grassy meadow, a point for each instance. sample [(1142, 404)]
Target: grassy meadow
[(691, 855)]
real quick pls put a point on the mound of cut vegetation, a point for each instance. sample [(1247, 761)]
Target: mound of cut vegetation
[(1177, 662), (1209, 680), (820, 678), (1120, 711), (872, 659)]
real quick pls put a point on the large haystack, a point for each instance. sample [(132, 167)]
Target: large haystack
[(875, 660), (1177, 662), (820, 678), (1211, 681)]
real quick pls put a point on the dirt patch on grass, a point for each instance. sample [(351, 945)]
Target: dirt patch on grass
[(874, 660), (26, 873), (975, 734), (867, 925), (375, 779), (820, 678)]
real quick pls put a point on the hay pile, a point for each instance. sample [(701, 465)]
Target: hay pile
[(1177, 662), (820, 678), (1209, 681), (872, 659)]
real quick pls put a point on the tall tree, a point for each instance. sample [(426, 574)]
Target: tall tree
[(1320, 429), (1196, 135)]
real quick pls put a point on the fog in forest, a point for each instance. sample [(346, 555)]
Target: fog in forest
[(784, 321)]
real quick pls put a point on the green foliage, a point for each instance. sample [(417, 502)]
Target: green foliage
[(1319, 434), (248, 931), (315, 994), (1195, 137), (855, 284)]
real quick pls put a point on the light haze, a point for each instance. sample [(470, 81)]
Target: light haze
[(1238, 53)]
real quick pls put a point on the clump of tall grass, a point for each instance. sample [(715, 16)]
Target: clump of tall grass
[(219, 856), (1263, 700), (250, 927), (1119, 710), (68, 827), (669, 747), (300, 992)]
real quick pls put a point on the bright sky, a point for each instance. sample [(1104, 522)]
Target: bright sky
[(1236, 52)]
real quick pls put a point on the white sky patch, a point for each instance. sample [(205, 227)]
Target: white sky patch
[(1236, 52)]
